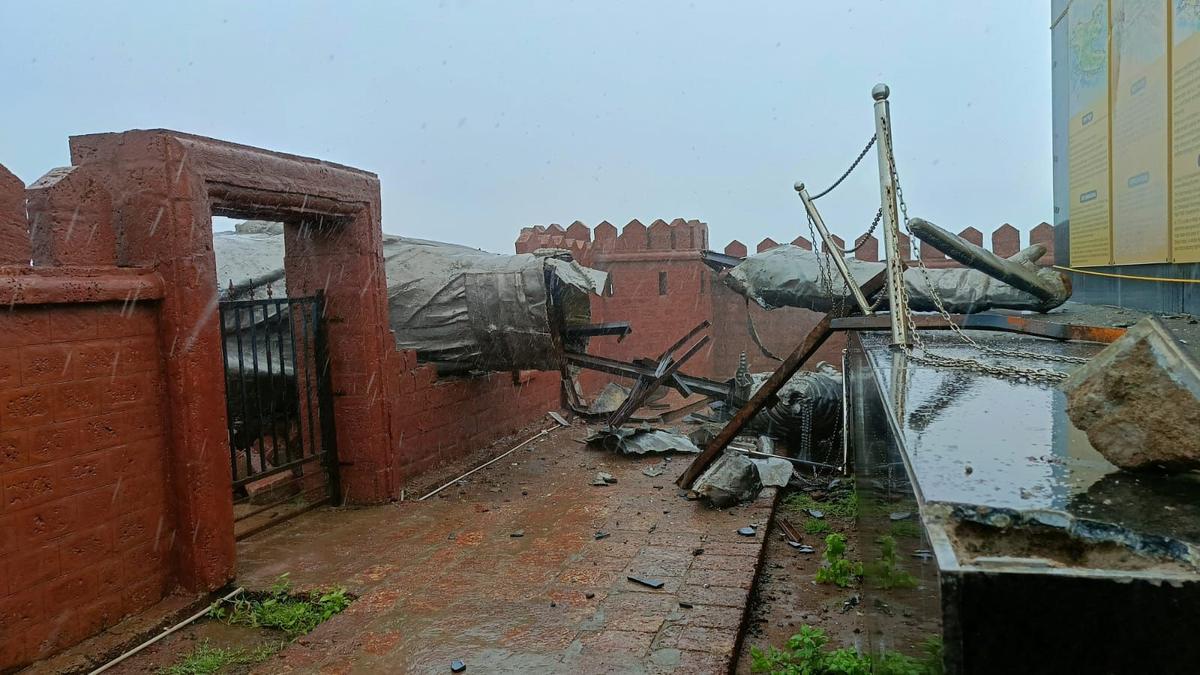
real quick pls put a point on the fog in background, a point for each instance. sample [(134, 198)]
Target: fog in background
[(484, 117)]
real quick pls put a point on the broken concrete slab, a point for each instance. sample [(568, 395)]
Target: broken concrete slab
[(1138, 400), (731, 479)]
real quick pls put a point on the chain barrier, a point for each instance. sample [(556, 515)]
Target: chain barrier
[(845, 175), (928, 357)]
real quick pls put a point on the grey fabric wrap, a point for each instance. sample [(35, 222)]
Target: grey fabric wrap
[(451, 304), (789, 276)]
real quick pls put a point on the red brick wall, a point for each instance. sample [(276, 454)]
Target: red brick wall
[(85, 527), (435, 421)]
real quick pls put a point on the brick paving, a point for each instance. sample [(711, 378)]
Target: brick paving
[(445, 579)]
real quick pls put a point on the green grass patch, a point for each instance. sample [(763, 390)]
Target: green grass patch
[(906, 529), (814, 526), (885, 572), (277, 609), (843, 504), (205, 659), (805, 654), (837, 569)]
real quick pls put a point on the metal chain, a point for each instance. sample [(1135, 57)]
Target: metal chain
[(862, 238), (838, 182), (825, 274), (806, 427), (930, 358)]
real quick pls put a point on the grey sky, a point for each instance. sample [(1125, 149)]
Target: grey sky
[(483, 117)]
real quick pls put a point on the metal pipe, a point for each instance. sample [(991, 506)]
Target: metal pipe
[(891, 223), (491, 461), (833, 249), (793, 460), (165, 633), (845, 412)]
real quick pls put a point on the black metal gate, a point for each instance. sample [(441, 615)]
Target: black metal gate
[(282, 442)]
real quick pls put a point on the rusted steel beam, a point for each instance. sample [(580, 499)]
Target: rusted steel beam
[(618, 328), (807, 347), (664, 373), (635, 371), (993, 322)]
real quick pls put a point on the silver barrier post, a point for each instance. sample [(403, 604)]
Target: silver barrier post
[(833, 250), (891, 223)]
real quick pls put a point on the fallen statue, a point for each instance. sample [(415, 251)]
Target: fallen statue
[(789, 276)]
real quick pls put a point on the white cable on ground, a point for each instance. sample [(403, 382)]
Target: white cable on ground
[(538, 435), (165, 633)]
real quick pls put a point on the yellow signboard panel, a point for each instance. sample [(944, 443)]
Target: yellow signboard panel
[(1138, 75), (1087, 140), (1185, 130)]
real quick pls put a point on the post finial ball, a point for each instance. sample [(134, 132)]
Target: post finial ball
[(799, 186), (880, 92)]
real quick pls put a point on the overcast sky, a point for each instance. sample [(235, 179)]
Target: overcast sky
[(483, 117)]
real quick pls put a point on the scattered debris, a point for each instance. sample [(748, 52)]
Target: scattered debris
[(900, 515), (650, 583), (562, 421), (457, 666), (607, 478), (713, 451), (601, 534), (697, 551), (790, 531), (517, 534), (589, 595), (666, 368), (1138, 400), (685, 605), (850, 603), (652, 471), (748, 531), (731, 479), (816, 513), (641, 440)]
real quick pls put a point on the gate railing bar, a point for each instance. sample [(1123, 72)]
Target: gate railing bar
[(303, 494), (287, 516), (258, 398), (228, 401), (285, 414), (295, 376), (272, 416), (237, 326), (279, 469), (325, 399)]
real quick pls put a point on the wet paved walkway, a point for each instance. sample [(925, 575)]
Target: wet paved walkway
[(447, 579)]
